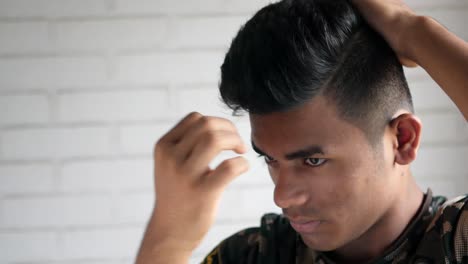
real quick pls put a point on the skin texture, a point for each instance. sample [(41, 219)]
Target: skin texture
[(362, 195), (187, 191)]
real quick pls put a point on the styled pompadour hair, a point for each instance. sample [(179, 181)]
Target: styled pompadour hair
[(293, 50)]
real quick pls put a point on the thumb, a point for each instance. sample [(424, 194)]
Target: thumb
[(227, 171), (407, 62)]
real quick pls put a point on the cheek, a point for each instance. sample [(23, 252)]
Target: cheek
[(342, 180), (362, 199), (347, 191)]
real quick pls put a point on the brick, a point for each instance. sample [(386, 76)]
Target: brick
[(167, 6), (27, 144), (51, 71), (141, 139), (111, 34), (444, 128), (36, 178), (234, 6), (30, 246), (440, 160), (23, 109), (92, 261), (57, 211), (246, 6), (102, 244), (104, 261), (427, 95), (205, 101), (169, 68), (204, 32), (52, 8), (108, 175), (112, 105), (21, 37), (133, 208)]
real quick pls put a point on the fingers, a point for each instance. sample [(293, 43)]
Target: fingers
[(407, 62), (210, 145), (226, 172), (394, 20), (196, 140), (177, 132), (187, 190), (200, 130)]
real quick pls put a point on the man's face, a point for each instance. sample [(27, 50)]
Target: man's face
[(329, 181)]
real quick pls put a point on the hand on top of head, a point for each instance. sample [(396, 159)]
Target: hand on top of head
[(391, 18)]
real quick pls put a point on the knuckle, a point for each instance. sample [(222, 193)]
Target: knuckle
[(159, 151), (194, 115), (231, 124), (212, 139), (208, 123), (158, 145), (162, 146), (230, 167)]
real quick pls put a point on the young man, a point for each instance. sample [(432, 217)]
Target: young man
[(331, 113)]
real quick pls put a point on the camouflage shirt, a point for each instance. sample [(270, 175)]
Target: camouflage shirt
[(437, 234)]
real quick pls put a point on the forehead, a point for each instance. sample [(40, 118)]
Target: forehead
[(316, 122)]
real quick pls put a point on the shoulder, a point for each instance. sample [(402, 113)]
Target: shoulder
[(460, 238), (237, 248), (448, 215), (255, 245), (451, 224)]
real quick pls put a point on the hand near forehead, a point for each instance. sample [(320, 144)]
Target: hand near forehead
[(420, 40), (187, 189)]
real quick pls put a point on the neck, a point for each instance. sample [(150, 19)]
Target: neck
[(386, 230)]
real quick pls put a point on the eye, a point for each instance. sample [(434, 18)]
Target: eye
[(267, 159), (314, 162)]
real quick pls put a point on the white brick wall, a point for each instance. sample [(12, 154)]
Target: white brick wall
[(88, 86), (24, 109), (49, 71), (105, 106), (107, 33), (55, 143)]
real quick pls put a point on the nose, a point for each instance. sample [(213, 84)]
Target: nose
[(289, 191)]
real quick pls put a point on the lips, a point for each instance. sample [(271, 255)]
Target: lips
[(305, 226)]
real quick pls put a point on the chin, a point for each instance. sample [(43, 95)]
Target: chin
[(315, 242)]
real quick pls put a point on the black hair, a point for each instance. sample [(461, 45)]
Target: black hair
[(293, 50)]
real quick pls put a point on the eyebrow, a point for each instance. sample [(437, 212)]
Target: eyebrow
[(302, 153)]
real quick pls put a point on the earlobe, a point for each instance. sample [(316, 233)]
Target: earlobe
[(407, 132)]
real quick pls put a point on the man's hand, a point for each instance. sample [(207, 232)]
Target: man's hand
[(423, 41), (187, 190), (391, 18)]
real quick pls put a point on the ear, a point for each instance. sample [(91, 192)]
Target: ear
[(406, 133)]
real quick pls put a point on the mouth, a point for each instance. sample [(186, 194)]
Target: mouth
[(305, 226)]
